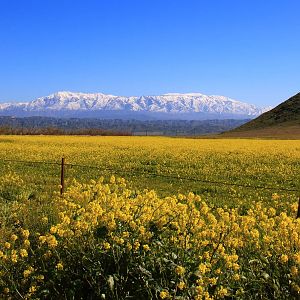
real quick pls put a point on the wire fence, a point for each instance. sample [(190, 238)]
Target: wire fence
[(62, 165)]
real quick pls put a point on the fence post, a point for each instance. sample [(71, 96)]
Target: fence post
[(298, 212), (62, 176)]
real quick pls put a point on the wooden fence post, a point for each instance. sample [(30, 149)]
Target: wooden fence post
[(62, 176), (298, 212)]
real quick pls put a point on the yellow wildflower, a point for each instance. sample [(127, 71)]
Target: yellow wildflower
[(236, 277), (51, 241), (180, 270), (297, 258), (42, 239), (44, 220), (128, 246), (23, 253), (284, 258), (59, 266), (40, 277), (14, 256), (218, 271), (125, 234), (203, 268), (112, 179), (222, 292), (32, 289), (53, 229), (28, 271), (164, 294), (13, 237), (25, 233), (106, 245), (26, 243), (213, 280), (146, 247), (294, 271), (181, 285), (136, 245)]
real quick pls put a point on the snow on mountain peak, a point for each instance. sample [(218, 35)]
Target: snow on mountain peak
[(174, 103)]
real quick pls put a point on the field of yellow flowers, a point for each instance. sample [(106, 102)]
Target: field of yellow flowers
[(147, 223)]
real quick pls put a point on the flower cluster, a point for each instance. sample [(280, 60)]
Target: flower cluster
[(103, 239)]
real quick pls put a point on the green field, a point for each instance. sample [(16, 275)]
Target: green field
[(167, 165)]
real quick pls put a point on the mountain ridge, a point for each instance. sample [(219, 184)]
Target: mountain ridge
[(189, 104)]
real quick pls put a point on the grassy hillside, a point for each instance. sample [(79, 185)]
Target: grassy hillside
[(283, 120)]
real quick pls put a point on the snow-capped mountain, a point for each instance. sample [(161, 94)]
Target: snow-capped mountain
[(180, 106)]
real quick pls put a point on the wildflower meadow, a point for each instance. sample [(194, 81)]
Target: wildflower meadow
[(149, 218)]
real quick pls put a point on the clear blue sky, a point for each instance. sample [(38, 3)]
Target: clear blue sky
[(245, 49)]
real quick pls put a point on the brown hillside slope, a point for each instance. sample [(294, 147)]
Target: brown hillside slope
[(283, 121)]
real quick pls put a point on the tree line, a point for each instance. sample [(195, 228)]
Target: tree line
[(88, 126)]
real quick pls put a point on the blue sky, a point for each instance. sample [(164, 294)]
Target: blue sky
[(247, 50)]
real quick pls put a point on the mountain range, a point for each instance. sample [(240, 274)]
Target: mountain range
[(167, 106)]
